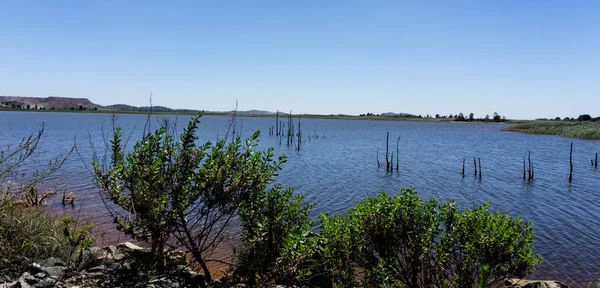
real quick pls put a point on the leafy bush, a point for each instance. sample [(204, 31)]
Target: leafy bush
[(79, 238), (176, 190), (271, 220), (402, 241), (487, 247), (390, 238)]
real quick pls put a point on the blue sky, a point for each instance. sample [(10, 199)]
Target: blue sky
[(522, 59)]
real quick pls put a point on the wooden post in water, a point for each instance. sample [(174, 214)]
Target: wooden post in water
[(479, 159), (571, 164), (397, 153), (523, 167), (281, 133), (392, 162), (596, 163), (277, 122), (463, 168), (378, 164), (387, 159), (530, 171), (475, 166), (299, 134)]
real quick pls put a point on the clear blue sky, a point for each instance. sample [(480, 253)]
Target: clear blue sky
[(522, 59)]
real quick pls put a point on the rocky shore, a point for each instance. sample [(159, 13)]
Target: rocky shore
[(125, 265)]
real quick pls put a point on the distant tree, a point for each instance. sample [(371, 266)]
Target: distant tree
[(80, 107), (28, 106), (451, 116), (567, 119), (471, 116), (497, 117), (584, 117), (420, 116), (460, 117), (503, 118), (36, 107), (437, 115), (557, 119), (487, 117), (72, 108), (95, 108)]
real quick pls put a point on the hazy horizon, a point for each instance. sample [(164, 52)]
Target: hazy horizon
[(524, 60)]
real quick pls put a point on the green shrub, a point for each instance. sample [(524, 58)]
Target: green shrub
[(391, 239), (402, 241), (487, 247), (269, 220), (176, 190), (79, 238)]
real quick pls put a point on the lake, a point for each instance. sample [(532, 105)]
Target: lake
[(339, 168)]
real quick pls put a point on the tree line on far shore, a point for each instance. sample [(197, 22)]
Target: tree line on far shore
[(582, 117)]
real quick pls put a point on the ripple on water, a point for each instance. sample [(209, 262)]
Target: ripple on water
[(337, 170)]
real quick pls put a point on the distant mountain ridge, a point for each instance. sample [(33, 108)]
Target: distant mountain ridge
[(47, 103), (67, 103), (398, 114), (130, 108)]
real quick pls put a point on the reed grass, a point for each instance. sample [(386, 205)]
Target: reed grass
[(581, 130), (31, 233)]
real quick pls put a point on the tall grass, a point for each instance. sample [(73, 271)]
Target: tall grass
[(581, 130), (29, 233)]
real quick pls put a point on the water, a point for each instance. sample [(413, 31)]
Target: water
[(339, 168)]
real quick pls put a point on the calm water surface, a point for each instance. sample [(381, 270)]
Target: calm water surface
[(340, 168)]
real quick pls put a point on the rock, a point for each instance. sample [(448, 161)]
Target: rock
[(100, 268), (40, 275), (46, 282), (55, 271), (128, 246), (520, 283), (113, 266), (53, 262), (13, 284), (27, 280)]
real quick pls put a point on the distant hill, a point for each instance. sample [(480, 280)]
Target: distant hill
[(392, 114), (129, 108), (255, 112), (47, 103)]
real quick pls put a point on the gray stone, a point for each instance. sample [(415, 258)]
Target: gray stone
[(113, 266), (520, 283), (46, 282), (13, 284), (27, 280), (55, 271), (128, 246), (40, 275), (52, 261), (100, 268)]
